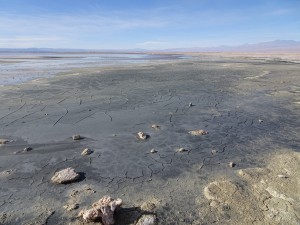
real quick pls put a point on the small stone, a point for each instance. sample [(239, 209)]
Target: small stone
[(148, 206), (3, 141), (76, 137), (214, 151), (71, 207), (142, 135), (181, 150), (65, 176), (260, 121), (191, 104), (153, 150), (155, 126), (231, 164), (198, 132), (147, 220), (282, 176), (86, 151), (27, 149)]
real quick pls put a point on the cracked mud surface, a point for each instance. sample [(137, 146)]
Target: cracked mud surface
[(248, 106)]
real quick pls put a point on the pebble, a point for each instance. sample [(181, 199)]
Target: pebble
[(282, 176), (142, 135), (3, 141), (214, 151), (181, 150), (153, 150), (27, 149), (155, 126), (231, 164), (198, 132), (65, 176), (76, 137), (86, 151), (191, 104)]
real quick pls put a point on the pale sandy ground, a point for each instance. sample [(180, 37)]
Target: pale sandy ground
[(249, 104)]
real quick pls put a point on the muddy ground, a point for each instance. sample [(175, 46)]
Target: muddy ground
[(250, 108)]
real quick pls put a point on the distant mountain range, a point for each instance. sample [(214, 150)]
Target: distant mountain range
[(271, 46)]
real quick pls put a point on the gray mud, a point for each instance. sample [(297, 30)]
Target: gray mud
[(250, 108)]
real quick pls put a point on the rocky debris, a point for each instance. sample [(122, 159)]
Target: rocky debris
[(153, 150), (86, 151), (198, 132), (155, 126), (103, 209), (147, 220), (3, 141), (142, 135), (27, 149), (148, 206), (231, 164), (260, 121), (181, 150), (76, 137), (70, 207), (65, 176)]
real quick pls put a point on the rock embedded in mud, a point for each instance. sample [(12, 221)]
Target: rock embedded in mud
[(65, 176), (147, 220), (142, 135), (86, 151), (103, 209), (198, 132), (282, 176), (3, 141), (155, 126), (231, 164), (76, 137), (181, 150), (191, 104), (153, 150), (27, 149)]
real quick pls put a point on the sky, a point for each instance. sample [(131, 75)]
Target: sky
[(145, 24)]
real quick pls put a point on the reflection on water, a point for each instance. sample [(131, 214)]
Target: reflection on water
[(20, 67)]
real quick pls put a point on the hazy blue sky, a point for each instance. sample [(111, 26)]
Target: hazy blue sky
[(115, 24)]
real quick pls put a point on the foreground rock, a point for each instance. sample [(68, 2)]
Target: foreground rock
[(198, 132), (103, 209), (65, 176)]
